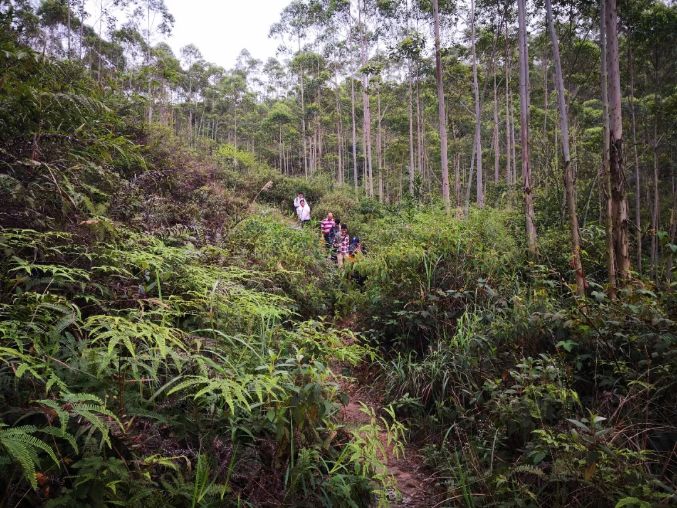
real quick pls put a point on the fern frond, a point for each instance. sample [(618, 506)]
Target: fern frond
[(22, 447)]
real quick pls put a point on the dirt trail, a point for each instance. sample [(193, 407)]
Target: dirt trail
[(415, 486)]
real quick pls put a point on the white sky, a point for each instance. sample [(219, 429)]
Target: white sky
[(222, 28), (219, 28)]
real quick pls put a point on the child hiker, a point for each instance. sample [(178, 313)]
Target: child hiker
[(342, 241)]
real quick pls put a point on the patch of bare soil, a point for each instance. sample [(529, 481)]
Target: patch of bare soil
[(416, 487)]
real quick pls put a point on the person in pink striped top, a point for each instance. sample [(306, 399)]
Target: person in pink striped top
[(326, 227)]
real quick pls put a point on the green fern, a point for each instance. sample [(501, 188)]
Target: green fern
[(21, 445), (83, 407), (232, 392), (120, 336)]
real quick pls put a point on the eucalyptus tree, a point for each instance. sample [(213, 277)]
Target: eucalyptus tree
[(192, 59), (619, 205), (442, 113), (569, 176), (524, 128), (650, 30), (410, 48), (478, 110), (295, 21), (280, 115)]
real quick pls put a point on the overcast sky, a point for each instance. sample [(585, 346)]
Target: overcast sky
[(222, 28)]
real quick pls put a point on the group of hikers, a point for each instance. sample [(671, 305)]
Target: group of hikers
[(336, 237)]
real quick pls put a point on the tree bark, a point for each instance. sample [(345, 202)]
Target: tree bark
[(605, 182), (655, 206), (441, 109), (619, 204), (497, 128), (457, 177), (70, 31), (366, 112), (379, 147), (524, 129), (366, 126), (411, 136), (478, 112), (569, 176), (508, 111), (303, 120), (352, 110)]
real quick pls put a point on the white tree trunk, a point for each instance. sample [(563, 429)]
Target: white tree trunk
[(441, 109)]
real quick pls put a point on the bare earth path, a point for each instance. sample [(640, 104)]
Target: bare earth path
[(416, 487)]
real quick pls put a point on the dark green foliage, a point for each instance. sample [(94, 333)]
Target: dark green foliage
[(164, 338), (156, 346), (520, 391)]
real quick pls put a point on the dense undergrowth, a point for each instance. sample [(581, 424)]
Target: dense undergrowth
[(162, 340), (520, 393), (160, 332)]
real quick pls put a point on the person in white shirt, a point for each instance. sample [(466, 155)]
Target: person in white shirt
[(297, 199), (303, 212)]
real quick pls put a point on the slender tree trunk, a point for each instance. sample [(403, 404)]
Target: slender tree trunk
[(412, 168), (673, 231), (497, 128), (638, 198), (339, 135), (513, 143), (366, 111), (524, 128), (303, 119), (366, 132), (655, 207), (68, 24), (235, 128), (619, 204), (419, 132), (81, 36), (148, 52), (339, 153), (98, 43), (466, 208), (441, 109), (457, 182), (655, 218), (508, 111), (569, 175), (379, 147), (605, 182), (352, 109), (478, 112), (545, 99), (281, 148)]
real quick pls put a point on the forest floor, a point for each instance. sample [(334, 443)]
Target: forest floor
[(414, 485)]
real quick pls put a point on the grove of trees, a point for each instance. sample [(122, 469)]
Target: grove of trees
[(512, 168)]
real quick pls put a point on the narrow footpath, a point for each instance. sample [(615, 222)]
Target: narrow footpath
[(414, 486)]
